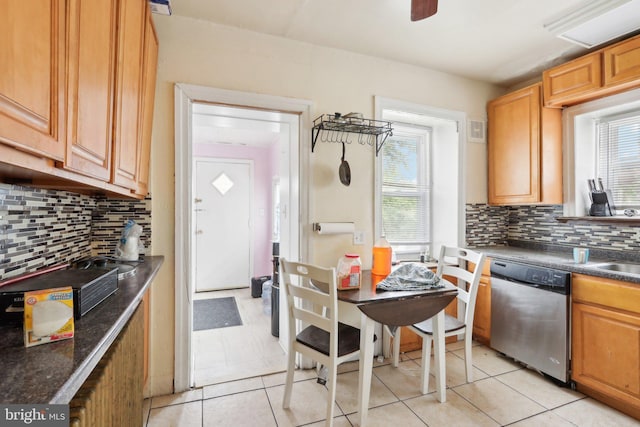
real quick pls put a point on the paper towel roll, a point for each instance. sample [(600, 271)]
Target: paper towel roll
[(334, 227)]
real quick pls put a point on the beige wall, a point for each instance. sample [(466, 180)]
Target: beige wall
[(200, 53)]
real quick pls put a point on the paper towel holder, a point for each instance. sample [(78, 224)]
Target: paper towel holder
[(343, 227)]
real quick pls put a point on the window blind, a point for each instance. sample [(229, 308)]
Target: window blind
[(619, 158), (406, 190)]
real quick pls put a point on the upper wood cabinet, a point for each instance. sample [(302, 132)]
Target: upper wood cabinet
[(77, 83), (573, 81), (621, 64), (524, 149), (128, 92), (148, 99), (32, 76), (91, 79), (605, 72)]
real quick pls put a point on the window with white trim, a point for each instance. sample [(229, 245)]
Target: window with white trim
[(405, 193), (618, 145)]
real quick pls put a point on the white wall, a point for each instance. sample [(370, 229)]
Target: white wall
[(197, 52)]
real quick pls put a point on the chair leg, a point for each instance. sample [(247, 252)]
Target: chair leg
[(426, 362), (396, 347), (468, 365), (291, 366), (332, 379)]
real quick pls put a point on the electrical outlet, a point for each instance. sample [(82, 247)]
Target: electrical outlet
[(358, 237)]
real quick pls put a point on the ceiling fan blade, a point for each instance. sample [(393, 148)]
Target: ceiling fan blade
[(421, 9)]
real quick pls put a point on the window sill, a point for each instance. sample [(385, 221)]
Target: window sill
[(616, 220)]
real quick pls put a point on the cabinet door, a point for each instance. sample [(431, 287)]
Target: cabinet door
[(622, 64), (32, 72), (482, 315), (146, 306), (605, 354), (514, 147), (128, 92), (148, 98), (92, 49), (572, 82)]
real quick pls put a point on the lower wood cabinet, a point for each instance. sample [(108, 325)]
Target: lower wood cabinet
[(605, 343), (146, 307), (112, 395), (482, 315)]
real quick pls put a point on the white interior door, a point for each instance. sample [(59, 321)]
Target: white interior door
[(222, 212)]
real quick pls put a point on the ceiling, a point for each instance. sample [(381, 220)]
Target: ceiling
[(498, 41)]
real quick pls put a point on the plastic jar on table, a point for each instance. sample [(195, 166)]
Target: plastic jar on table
[(349, 272)]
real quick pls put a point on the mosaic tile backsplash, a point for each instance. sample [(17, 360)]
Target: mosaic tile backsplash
[(538, 224), (486, 225), (40, 228)]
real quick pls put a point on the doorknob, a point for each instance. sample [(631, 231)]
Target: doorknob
[(199, 231), (197, 200)]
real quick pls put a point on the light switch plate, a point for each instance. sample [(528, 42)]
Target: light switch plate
[(358, 237)]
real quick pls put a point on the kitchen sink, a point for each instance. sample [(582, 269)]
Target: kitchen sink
[(621, 267)]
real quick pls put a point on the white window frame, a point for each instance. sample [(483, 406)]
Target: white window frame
[(605, 174), (579, 146), (424, 134), (450, 214)]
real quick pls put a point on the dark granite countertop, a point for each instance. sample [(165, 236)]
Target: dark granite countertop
[(53, 373), (561, 258)]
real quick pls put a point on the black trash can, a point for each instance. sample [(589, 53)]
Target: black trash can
[(256, 285), (275, 292), (275, 309)]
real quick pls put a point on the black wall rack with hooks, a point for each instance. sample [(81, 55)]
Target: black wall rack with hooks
[(336, 127)]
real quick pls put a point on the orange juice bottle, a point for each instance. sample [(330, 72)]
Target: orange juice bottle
[(381, 265)]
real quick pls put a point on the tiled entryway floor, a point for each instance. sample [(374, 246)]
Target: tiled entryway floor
[(231, 353), (503, 393)]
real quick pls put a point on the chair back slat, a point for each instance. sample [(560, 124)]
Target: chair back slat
[(307, 303), (312, 309), (467, 281)]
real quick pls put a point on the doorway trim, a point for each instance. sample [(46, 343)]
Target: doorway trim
[(185, 96)]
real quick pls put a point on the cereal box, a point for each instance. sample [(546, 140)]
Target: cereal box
[(48, 315)]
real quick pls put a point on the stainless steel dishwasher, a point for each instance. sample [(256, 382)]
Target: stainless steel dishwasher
[(530, 316)]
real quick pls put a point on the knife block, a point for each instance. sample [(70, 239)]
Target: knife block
[(600, 205)]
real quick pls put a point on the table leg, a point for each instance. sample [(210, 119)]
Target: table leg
[(366, 367), (439, 358)]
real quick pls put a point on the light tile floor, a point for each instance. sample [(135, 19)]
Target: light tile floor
[(503, 393), (237, 352)]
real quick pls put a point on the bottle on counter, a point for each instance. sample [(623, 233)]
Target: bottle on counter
[(381, 265), (349, 272)]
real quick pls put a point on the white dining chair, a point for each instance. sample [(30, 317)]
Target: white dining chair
[(314, 330), (467, 282)]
